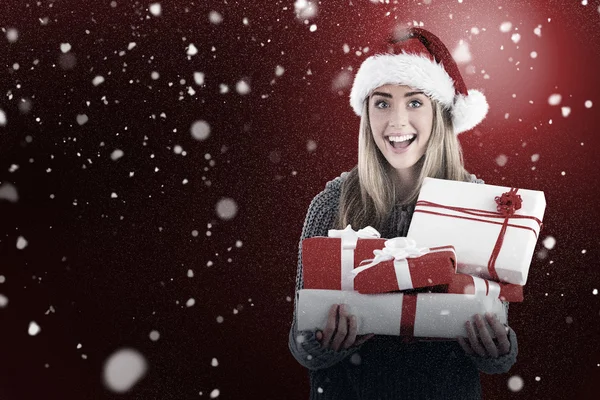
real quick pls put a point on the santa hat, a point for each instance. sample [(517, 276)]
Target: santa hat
[(420, 60)]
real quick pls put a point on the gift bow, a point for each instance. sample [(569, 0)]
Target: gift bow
[(350, 236), (399, 248)]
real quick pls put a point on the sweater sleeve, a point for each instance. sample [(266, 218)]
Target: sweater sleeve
[(304, 346), (501, 364)]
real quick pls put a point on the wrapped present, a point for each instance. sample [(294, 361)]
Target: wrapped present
[(328, 261), (493, 229), (467, 284), (402, 265), (426, 315)]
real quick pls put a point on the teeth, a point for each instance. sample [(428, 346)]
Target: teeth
[(402, 138)]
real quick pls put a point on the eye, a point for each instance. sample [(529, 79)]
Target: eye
[(381, 104), (415, 103)]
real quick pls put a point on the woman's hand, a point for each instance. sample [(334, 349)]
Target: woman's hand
[(340, 331), (479, 340)]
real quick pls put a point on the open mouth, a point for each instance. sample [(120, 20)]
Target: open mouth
[(401, 142)]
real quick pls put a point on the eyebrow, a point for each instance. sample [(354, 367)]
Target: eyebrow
[(407, 94)]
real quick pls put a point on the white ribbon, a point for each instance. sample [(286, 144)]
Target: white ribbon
[(349, 240), (480, 288)]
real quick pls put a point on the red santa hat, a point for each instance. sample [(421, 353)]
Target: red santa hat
[(420, 60)]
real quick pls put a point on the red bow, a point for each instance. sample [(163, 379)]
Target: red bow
[(508, 202)]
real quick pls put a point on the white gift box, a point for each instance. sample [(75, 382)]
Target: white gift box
[(429, 315), (465, 215)]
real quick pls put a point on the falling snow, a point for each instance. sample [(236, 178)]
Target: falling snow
[(242, 87), (200, 130), (305, 10), (116, 154), (226, 209), (192, 50), (33, 329), (199, 78), (98, 80), (21, 243), (215, 18), (515, 383), (505, 27), (501, 160), (549, 242), (123, 369), (461, 53), (82, 119), (65, 47), (155, 9), (554, 99), (9, 193)]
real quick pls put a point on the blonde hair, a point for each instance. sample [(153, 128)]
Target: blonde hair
[(368, 193)]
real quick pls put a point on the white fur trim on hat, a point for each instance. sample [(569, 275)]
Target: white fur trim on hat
[(469, 111), (419, 72)]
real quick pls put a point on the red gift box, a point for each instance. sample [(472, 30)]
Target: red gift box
[(467, 284), (436, 267), (329, 262)]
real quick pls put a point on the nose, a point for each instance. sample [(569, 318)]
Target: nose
[(398, 117)]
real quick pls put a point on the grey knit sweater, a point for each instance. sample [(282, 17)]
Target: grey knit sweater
[(385, 367)]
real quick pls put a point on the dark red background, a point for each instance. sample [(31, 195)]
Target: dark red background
[(112, 280)]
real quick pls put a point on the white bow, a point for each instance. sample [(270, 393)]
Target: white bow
[(399, 248), (351, 235)]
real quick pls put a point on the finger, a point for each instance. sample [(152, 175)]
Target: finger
[(485, 337), (342, 328), (463, 343), (329, 326), (473, 340), (501, 333), (352, 330), (361, 339)]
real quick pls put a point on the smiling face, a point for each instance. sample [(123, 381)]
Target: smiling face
[(401, 120)]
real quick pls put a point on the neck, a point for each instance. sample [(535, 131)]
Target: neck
[(405, 182)]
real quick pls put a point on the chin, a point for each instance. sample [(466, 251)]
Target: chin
[(402, 166)]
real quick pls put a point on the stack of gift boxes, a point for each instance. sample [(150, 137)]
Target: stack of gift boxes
[(468, 248)]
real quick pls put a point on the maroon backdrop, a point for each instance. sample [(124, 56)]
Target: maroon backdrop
[(100, 272)]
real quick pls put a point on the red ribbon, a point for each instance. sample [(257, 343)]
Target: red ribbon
[(508, 203), (407, 319)]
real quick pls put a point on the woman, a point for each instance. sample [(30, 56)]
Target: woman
[(412, 102)]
